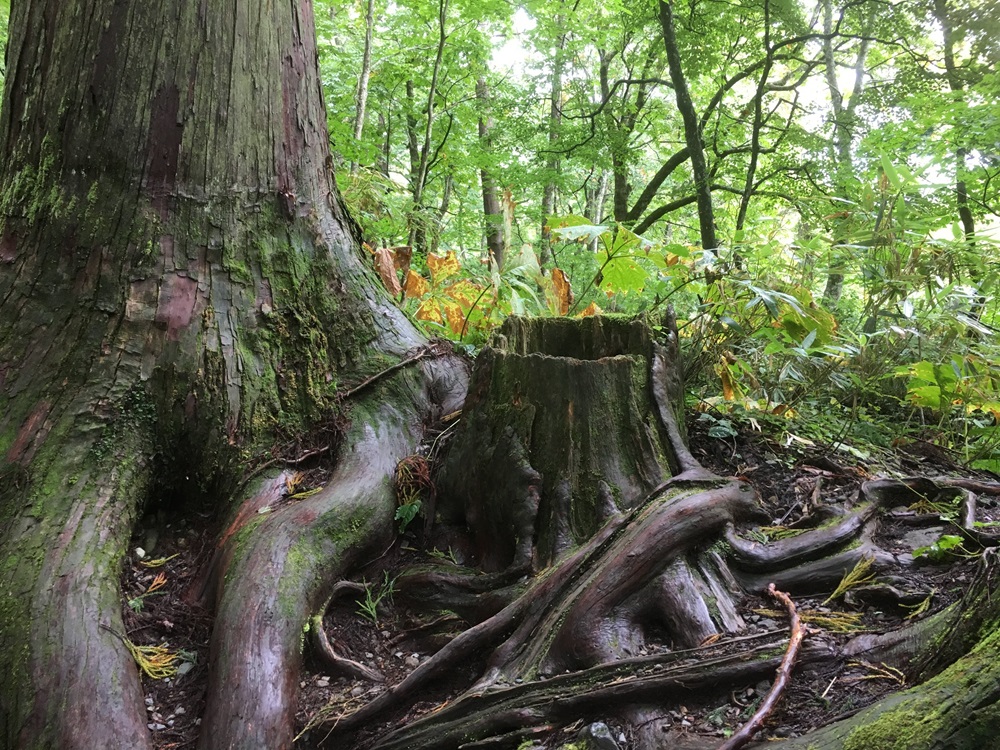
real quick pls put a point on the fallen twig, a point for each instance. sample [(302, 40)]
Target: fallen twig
[(796, 635), (434, 349)]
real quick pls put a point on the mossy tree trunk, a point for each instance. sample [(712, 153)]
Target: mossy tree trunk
[(178, 280)]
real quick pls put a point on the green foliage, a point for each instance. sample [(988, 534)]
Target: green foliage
[(374, 596), (946, 548), (406, 512)]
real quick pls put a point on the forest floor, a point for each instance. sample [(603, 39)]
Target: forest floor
[(790, 476)]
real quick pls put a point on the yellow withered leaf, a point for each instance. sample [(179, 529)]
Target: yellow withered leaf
[(442, 267), (430, 310), (416, 286)]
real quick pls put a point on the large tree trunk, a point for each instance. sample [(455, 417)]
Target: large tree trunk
[(177, 279)]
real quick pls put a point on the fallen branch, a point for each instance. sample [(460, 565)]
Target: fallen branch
[(435, 349), (796, 635)]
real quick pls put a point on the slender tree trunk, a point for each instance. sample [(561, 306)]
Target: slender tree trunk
[(361, 96), (957, 86), (758, 123), (418, 182), (692, 129), (553, 160), (492, 212), (844, 120), (177, 278)]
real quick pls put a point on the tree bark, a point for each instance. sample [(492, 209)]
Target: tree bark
[(692, 129), (492, 212), (361, 96), (177, 279)]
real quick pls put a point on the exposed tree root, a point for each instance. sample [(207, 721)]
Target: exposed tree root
[(325, 650), (282, 568)]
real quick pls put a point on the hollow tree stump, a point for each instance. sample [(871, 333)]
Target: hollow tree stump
[(567, 423)]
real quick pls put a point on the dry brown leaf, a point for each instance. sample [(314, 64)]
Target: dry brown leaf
[(562, 289), (387, 270), (401, 257), (590, 310)]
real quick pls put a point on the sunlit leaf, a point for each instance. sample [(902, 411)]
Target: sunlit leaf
[(589, 310), (621, 274), (585, 233)]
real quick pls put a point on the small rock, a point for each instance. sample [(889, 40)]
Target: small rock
[(762, 687), (180, 711), (323, 683), (598, 736), (357, 692), (302, 684), (782, 731), (398, 654), (149, 700), (412, 662), (369, 655), (140, 552), (156, 726), (685, 723), (150, 708), (385, 633)]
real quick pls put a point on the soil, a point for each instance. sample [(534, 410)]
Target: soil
[(372, 629)]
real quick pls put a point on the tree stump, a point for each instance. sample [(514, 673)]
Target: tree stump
[(567, 423)]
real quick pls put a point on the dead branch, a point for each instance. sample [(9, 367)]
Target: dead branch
[(796, 635)]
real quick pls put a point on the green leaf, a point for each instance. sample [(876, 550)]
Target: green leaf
[(890, 172), (621, 273)]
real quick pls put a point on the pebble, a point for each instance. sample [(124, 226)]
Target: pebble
[(149, 700), (357, 692), (180, 711), (385, 633), (155, 726), (412, 662), (323, 683), (598, 736)]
